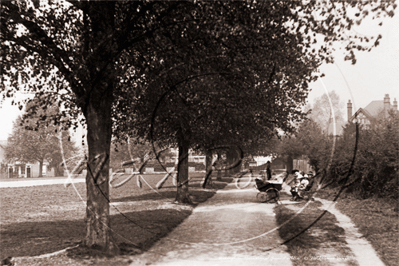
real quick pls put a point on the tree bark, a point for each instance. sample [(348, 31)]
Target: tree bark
[(208, 161), (232, 159), (58, 171), (208, 167), (236, 161), (99, 131), (41, 168), (229, 160), (219, 175), (219, 167), (182, 194), (290, 164)]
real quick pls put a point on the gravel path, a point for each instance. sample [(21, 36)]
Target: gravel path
[(231, 228), (361, 248), (40, 182)]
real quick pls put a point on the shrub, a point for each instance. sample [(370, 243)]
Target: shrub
[(375, 171)]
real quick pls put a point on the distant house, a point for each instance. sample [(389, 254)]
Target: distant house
[(372, 112), (168, 163), (20, 169), (173, 156), (3, 165), (26, 170), (260, 160)]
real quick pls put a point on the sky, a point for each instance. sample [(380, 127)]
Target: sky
[(375, 74)]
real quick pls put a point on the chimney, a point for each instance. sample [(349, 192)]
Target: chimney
[(349, 110), (395, 104), (387, 102)]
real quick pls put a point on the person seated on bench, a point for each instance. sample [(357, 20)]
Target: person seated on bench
[(296, 186), (311, 178), (303, 185)]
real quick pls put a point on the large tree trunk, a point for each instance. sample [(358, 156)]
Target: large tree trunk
[(182, 195), (41, 168), (219, 167), (232, 159), (58, 171), (229, 160), (98, 117), (208, 161), (208, 167)]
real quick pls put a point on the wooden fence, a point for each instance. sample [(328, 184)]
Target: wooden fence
[(302, 165)]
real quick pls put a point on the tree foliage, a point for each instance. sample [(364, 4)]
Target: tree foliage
[(37, 140), (233, 86), (375, 169), (308, 141), (327, 110), (375, 172), (136, 152)]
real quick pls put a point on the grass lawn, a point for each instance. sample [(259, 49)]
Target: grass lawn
[(43, 219), (377, 220)]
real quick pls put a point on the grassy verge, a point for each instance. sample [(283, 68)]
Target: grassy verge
[(376, 219), (322, 243), (44, 219)]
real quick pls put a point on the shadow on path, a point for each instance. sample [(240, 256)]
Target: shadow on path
[(228, 229)]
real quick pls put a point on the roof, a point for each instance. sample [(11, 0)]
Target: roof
[(374, 108), (362, 111)]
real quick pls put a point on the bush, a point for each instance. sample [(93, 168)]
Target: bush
[(375, 171)]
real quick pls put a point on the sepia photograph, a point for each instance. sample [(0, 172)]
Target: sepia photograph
[(199, 132)]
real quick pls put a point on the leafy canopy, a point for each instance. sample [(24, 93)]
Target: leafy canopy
[(62, 49)]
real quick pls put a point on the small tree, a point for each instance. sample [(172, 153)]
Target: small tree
[(309, 141), (37, 139), (26, 144), (327, 109), (58, 155)]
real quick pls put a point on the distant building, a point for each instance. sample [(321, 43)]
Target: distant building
[(260, 160), (27, 170), (192, 157), (21, 169), (167, 163), (372, 112), (3, 165)]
